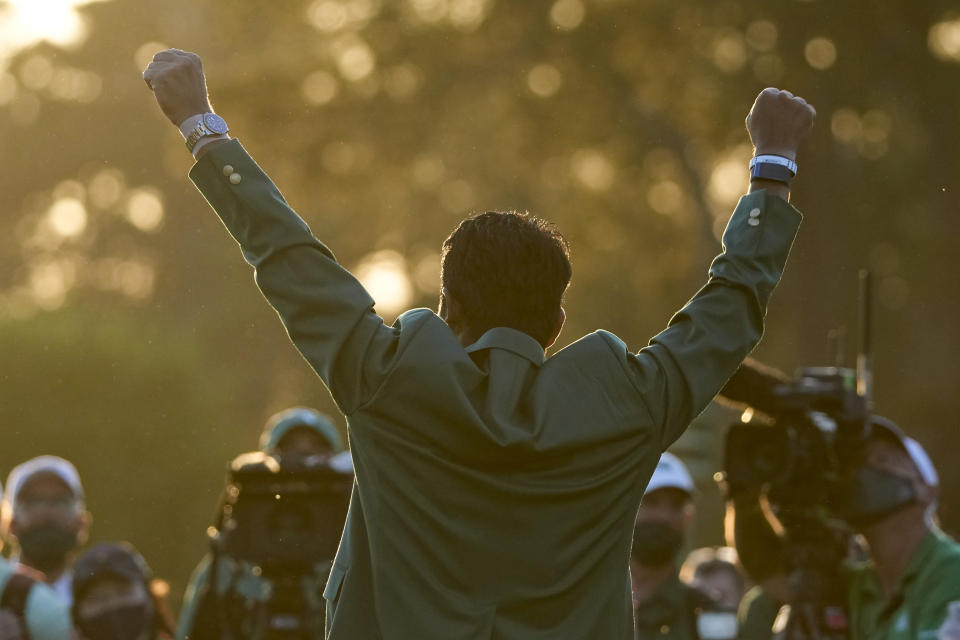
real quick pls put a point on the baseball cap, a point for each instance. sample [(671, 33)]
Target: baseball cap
[(670, 473), (23, 472), (917, 453), (109, 559), (282, 423)]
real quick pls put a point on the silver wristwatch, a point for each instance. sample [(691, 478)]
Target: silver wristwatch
[(210, 125)]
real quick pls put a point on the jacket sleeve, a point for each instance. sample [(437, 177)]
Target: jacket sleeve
[(328, 314), (686, 364)]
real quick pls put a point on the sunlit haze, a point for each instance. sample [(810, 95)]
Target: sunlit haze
[(24, 23)]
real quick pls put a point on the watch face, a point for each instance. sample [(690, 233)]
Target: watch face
[(215, 123)]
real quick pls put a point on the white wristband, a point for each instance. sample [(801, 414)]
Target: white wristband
[(772, 159)]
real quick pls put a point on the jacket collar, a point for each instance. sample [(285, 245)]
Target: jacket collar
[(510, 340)]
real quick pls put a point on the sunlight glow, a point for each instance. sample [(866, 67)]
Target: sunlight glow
[(730, 52), (820, 53), (384, 275), (145, 209), (944, 40), (132, 278), (544, 80), (593, 169), (355, 59), (50, 280), (68, 217), (567, 15), (24, 23), (665, 197), (319, 88)]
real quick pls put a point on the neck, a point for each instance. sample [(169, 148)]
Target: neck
[(51, 574), (646, 580), (466, 337), (892, 545)]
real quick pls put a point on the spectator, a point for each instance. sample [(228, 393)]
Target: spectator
[(28, 607), (664, 606), (913, 573), (44, 516), (300, 432), (294, 436), (116, 597)]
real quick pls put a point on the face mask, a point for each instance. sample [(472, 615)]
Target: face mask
[(47, 545), (655, 543), (874, 495), (120, 623)]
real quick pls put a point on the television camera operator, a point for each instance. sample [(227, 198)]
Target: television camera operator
[(270, 578), (892, 581)]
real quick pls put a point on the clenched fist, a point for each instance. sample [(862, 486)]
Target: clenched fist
[(778, 123), (176, 78)]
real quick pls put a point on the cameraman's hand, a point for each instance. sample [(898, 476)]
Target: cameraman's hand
[(778, 123), (176, 78)]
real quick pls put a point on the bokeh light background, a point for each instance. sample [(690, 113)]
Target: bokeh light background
[(132, 338)]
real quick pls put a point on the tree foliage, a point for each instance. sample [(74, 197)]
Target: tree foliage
[(134, 342)]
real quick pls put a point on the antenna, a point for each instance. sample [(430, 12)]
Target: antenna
[(837, 339), (865, 355)]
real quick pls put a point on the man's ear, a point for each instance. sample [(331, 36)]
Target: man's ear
[(561, 318), (83, 528), (450, 310), (689, 513)]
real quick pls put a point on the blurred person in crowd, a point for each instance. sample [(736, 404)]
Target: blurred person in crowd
[(665, 607), (116, 597), (299, 433), (903, 590), (294, 435), (44, 516), (28, 607), (715, 571), (496, 489)]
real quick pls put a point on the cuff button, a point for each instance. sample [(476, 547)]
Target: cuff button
[(753, 222), (227, 169), (235, 178), (755, 213)]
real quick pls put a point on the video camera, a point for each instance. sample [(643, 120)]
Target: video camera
[(281, 520), (802, 453), (282, 517), (815, 428)]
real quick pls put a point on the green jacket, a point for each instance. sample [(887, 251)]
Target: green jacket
[(670, 613), (496, 489), (915, 610), (918, 605)]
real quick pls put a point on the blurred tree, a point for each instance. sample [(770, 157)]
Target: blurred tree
[(619, 120)]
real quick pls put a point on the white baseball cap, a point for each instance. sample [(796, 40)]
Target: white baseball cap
[(917, 453), (670, 473), (22, 473)]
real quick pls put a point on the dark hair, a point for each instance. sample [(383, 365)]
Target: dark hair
[(507, 269)]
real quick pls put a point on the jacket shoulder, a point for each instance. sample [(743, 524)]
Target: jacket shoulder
[(599, 342)]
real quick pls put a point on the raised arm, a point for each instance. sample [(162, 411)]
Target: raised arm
[(327, 313), (685, 365)]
